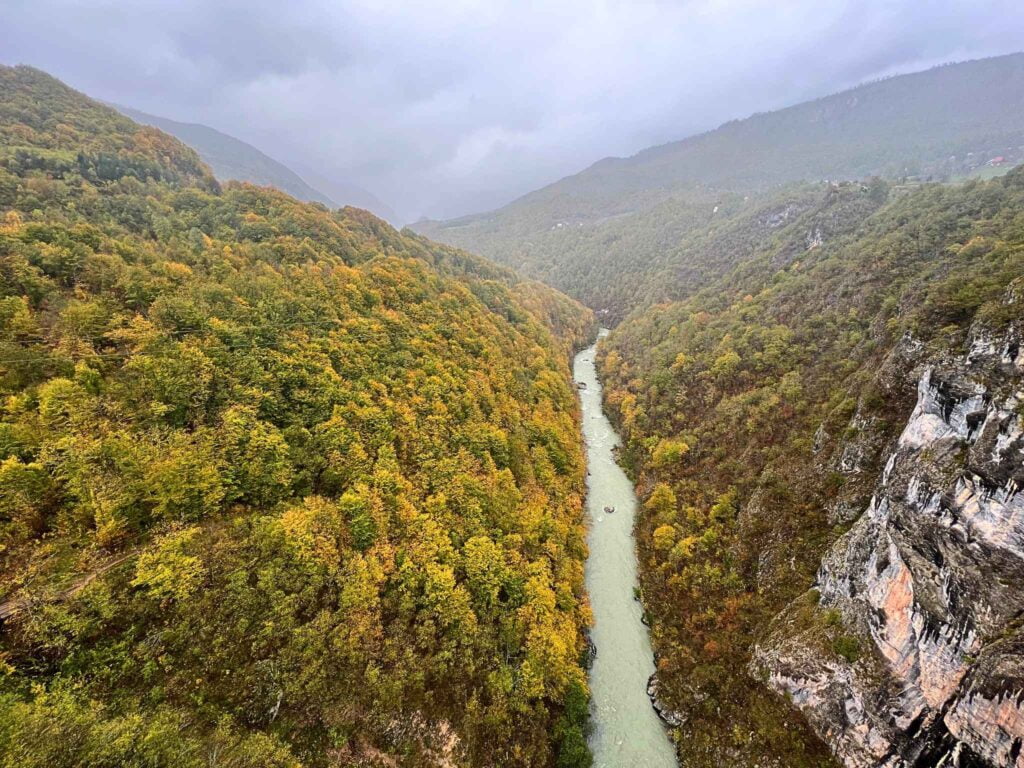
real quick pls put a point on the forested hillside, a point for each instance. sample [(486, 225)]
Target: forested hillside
[(231, 159), (624, 215), (757, 415), (278, 486)]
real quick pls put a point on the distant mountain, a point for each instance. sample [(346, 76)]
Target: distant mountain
[(349, 194), (232, 158), (944, 123)]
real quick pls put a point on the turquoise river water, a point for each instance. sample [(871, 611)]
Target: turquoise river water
[(627, 732)]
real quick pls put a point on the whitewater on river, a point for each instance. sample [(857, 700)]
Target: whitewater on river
[(627, 732)]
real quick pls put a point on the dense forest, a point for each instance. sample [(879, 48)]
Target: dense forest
[(628, 215), (754, 412), (283, 486), (775, 288), (279, 486)]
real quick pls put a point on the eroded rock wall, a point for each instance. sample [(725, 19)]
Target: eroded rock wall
[(929, 583)]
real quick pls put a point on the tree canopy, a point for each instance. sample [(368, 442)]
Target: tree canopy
[(279, 486), (755, 412)]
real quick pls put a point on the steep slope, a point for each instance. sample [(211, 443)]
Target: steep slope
[(763, 416), (278, 486), (233, 159), (349, 194), (928, 581), (58, 137), (573, 234)]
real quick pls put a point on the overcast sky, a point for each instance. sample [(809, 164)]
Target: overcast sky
[(445, 107)]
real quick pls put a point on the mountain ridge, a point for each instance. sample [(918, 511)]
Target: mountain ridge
[(827, 436), (234, 159), (280, 486), (1016, 60), (216, 149), (943, 122)]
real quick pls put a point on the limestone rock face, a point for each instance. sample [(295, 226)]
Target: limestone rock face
[(929, 583)]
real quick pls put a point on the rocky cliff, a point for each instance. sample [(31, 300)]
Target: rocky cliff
[(909, 650)]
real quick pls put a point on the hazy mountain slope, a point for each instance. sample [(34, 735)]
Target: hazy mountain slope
[(348, 194), (279, 486), (769, 411), (231, 158), (907, 124), (573, 233), (56, 136)]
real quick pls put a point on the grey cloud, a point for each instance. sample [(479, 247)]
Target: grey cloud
[(447, 107)]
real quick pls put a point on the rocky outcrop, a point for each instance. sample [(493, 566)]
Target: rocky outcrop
[(927, 586), (671, 717)]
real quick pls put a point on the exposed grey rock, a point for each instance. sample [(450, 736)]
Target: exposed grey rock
[(668, 715), (589, 651), (930, 579)]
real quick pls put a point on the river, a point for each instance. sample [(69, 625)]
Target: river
[(626, 731)]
